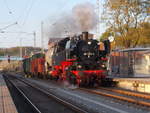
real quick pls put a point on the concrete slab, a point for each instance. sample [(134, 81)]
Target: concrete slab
[(134, 84)]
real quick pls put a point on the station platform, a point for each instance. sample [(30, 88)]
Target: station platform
[(134, 84), (6, 103)]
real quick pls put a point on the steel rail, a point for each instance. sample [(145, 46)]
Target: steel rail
[(34, 108), (63, 102), (129, 93), (130, 100)]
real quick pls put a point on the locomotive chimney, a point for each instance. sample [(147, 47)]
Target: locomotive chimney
[(85, 35)]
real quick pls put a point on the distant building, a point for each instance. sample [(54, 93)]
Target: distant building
[(14, 58)]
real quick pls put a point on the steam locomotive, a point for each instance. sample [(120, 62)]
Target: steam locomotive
[(78, 60)]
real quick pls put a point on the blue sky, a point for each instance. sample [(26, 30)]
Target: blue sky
[(29, 14)]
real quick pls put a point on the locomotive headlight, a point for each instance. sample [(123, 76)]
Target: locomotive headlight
[(89, 43), (79, 66), (103, 65), (88, 54), (84, 54)]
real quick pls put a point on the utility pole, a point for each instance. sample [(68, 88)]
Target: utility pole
[(34, 34), (25, 51), (42, 38), (98, 13), (20, 47)]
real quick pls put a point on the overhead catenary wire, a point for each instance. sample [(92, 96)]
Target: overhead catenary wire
[(28, 9), (8, 26), (28, 12), (25, 9), (23, 18), (26, 17), (6, 4)]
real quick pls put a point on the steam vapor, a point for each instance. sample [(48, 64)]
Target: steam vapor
[(82, 18)]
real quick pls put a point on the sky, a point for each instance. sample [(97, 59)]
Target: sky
[(29, 14)]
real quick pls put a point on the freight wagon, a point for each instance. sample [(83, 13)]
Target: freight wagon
[(27, 66), (35, 65)]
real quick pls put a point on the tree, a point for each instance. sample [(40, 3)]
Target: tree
[(126, 20), (106, 34)]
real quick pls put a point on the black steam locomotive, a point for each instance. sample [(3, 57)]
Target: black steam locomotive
[(78, 60)]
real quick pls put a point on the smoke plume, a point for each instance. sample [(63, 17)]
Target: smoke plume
[(85, 17), (81, 18)]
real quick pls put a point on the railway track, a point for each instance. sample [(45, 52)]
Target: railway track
[(19, 93), (126, 92), (127, 96), (42, 94)]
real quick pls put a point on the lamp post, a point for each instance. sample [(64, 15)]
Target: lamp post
[(42, 37)]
